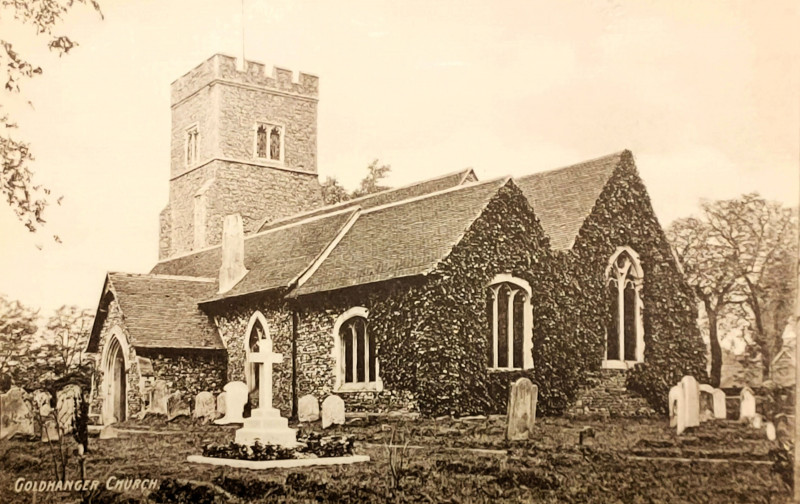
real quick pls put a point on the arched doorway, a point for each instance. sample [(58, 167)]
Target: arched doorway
[(115, 403)]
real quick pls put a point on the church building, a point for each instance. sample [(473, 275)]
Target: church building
[(431, 297)]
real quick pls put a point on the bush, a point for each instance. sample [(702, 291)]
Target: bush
[(311, 444)]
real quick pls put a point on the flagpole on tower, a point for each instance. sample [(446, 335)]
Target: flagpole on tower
[(242, 65)]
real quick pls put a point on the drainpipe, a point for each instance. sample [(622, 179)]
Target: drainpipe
[(295, 324)]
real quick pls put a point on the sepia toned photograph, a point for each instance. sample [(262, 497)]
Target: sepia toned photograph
[(424, 251)]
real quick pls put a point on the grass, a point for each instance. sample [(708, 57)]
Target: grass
[(440, 464)]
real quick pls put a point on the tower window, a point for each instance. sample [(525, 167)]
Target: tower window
[(269, 142), (192, 140)]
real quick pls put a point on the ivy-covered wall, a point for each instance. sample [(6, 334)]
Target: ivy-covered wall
[(433, 336), (623, 216)]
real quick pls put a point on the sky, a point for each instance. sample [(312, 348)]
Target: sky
[(705, 95)]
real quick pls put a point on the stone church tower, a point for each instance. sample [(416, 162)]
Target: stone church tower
[(242, 142)]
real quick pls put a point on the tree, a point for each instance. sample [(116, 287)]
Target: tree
[(333, 192), (25, 198), (67, 332), (371, 183), (736, 256), (18, 328)]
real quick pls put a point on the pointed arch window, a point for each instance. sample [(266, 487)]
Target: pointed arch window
[(355, 353), (625, 331), (257, 334), (508, 309)]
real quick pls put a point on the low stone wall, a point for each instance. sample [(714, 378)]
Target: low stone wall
[(607, 396)]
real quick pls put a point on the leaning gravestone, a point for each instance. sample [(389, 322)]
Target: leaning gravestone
[(50, 430), (65, 405), (521, 409), (177, 406), (747, 408), (15, 414), (235, 399), (205, 407), (308, 409), (158, 398), (221, 404), (691, 395), (332, 411)]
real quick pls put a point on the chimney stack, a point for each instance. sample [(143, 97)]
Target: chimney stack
[(232, 269)]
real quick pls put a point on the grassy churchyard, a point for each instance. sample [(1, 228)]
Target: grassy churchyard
[(427, 460)]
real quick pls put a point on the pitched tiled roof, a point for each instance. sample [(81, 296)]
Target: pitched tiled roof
[(161, 311), (403, 239), (384, 197), (563, 198), (273, 258)]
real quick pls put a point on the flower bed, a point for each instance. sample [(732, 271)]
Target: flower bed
[(310, 445)]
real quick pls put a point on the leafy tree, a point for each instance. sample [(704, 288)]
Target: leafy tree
[(333, 192), (372, 182), (740, 254), (25, 198), (68, 334), (18, 328)]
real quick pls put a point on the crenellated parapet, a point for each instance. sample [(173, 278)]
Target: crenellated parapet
[(223, 68)]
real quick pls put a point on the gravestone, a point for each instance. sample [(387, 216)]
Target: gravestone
[(720, 409), (706, 402), (15, 414), (332, 411), (521, 409), (772, 435), (677, 408), (158, 398), (177, 406), (205, 407), (221, 404), (308, 409), (747, 408), (757, 421), (109, 432), (65, 405), (49, 430), (691, 394), (235, 399)]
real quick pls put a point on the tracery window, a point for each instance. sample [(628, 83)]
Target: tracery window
[(624, 333), (269, 142), (509, 313)]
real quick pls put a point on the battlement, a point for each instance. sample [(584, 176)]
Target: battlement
[(224, 67)]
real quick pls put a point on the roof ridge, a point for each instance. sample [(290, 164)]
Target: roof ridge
[(607, 156), (465, 173), (503, 178), (164, 277), (254, 235)]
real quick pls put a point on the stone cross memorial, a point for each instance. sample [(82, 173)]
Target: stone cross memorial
[(266, 424)]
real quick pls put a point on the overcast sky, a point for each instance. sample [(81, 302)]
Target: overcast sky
[(705, 94)]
